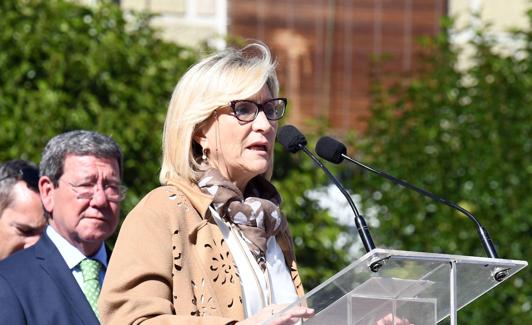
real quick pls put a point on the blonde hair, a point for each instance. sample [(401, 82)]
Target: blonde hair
[(213, 82)]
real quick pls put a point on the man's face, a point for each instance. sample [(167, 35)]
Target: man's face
[(22, 221), (84, 222)]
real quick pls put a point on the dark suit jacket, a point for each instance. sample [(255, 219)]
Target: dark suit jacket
[(37, 287)]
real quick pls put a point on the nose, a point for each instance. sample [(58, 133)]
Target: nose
[(261, 123), (99, 198), (31, 240)]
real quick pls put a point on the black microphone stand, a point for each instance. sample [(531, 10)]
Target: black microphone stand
[(487, 243), (334, 151), (360, 222), (485, 238)]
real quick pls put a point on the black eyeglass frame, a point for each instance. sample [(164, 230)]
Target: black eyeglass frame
[(29, 176), (260, 107)]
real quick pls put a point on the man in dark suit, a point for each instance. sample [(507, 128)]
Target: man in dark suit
[(57, 281)]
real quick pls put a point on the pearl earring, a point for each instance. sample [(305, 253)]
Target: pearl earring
[(204, 156)]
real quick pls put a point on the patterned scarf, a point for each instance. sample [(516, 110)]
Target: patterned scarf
[(255, 213)]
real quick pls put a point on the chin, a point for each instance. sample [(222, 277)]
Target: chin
[(98, 232), (259, 171), (97, 236)]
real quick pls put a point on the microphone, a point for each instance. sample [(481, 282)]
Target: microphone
[(334, 151), (293, 141)]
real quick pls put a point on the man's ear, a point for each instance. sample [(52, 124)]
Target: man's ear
[(46, 190)]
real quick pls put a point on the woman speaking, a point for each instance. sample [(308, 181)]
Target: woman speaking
[(210, 246)]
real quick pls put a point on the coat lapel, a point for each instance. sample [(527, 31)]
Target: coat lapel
[(56, 268)]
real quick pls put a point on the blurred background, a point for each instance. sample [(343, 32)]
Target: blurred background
[(435, 92)]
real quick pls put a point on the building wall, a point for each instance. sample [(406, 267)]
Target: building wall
[(326, 49), (501, 15), (188, 22)]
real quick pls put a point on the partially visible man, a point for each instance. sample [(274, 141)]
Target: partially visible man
[(57, 281), (21, 214)]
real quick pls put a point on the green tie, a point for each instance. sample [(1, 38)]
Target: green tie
[(91, 284)]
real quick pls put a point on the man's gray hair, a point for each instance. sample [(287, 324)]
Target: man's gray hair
[(77, 143), (13, 171)]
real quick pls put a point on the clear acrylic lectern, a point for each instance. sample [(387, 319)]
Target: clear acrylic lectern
[(423, 288)]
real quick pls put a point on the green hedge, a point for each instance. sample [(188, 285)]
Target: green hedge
[(65, 67)]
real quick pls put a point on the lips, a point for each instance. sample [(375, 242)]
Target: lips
[(99, 216), (96, 218), (258, 148)]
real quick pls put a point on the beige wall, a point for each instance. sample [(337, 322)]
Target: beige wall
[(503, 15), (187, 22)]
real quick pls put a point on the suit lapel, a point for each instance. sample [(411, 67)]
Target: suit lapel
[(55, 266)]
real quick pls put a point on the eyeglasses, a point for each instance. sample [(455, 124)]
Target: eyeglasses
[(247, 110), (29, 175), (113, 192)]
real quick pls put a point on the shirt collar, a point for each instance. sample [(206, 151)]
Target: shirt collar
[(71, 254)]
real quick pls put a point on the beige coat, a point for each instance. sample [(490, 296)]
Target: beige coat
[(170, 264)]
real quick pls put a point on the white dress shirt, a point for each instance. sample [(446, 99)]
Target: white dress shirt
[(73, 256)]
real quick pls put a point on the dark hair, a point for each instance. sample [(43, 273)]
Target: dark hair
[(13, 171), (78, 143)]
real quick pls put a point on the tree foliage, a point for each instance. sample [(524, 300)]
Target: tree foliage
[(464, 134), (65, 67)]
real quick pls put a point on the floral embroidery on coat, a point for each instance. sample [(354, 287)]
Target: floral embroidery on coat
[(222, 266), (222, 272)]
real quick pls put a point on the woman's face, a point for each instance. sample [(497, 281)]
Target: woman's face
[(240, 150)]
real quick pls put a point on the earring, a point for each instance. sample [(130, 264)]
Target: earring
[(204, 156)]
